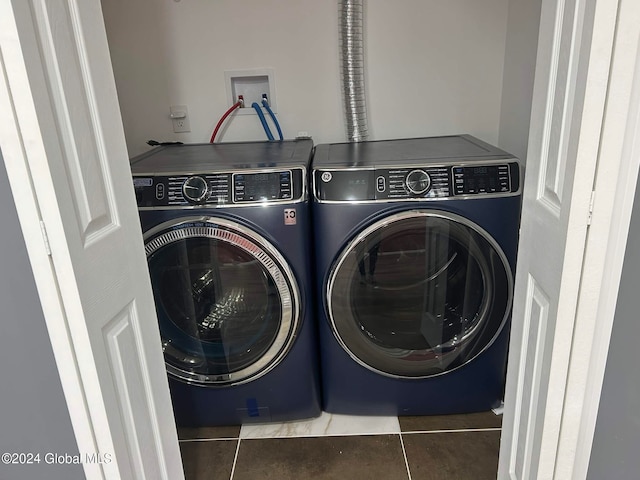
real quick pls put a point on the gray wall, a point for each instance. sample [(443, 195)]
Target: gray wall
[(615, 454), (33, 412)]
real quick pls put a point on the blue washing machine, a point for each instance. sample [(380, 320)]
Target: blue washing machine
[(226, 231), (415, 252)]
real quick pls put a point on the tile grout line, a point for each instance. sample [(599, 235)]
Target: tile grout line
[(460, 430), (235, 459), (404, 453), (325, 435), (193, 440)]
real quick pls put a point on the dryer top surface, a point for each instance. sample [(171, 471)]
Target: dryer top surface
[(411, 151), (213, 157)]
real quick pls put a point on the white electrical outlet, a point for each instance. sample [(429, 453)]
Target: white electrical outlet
[(251, 84), (179, 115)]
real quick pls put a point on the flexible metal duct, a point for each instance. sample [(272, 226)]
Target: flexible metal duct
[(352, 68)]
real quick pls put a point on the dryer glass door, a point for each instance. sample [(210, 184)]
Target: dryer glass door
[(419, 293), (227, 303)]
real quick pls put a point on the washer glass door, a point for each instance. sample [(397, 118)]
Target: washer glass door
[(419, 293), (227, 303)]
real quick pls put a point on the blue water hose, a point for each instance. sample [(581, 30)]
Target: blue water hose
[(263, 120), (265, 103)]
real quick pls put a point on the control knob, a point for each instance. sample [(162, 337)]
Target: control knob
[(195, 189), (418, 182)]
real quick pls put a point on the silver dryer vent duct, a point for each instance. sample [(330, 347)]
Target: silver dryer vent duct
[(352, 68)]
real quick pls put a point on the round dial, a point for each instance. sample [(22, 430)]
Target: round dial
[(195, 189), (418, 182)]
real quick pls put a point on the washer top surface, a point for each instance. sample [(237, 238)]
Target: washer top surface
[(222, 174), (213, 157), (411, 151), (431, 168)]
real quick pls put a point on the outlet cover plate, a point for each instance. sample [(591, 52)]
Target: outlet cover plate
[(179, 115), (251, 84)]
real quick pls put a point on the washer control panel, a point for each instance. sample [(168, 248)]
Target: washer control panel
[(481, 179), (195, 189), (417, 182), (402, 183), (260, 187), (218, 189)]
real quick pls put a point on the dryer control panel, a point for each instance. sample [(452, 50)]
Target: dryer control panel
[(220, 189), (417, 182)]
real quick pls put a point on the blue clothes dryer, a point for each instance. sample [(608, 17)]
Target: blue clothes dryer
[(226, 230), (415, 252)]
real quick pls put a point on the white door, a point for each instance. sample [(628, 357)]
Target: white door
[(62, 140), (550, 349)]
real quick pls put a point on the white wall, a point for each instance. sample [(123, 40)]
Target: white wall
[(433, 67), (519, 69)]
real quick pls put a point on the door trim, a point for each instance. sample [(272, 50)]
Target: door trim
[(614, 193)]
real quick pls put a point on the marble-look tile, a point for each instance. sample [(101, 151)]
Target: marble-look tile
[(459, 455), (326, 424), (324, 458), (467, 421)]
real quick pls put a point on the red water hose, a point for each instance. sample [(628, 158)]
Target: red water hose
[(238, 104)]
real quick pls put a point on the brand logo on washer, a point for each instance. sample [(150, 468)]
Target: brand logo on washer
[(326, 176), (290, 216)]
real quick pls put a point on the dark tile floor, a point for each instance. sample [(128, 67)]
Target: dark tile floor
[(450, 447)]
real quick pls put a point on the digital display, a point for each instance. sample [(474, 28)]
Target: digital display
[(345, 185), (262, 186), (358, 182), (142, 182), (481, 179), (356, 189)]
